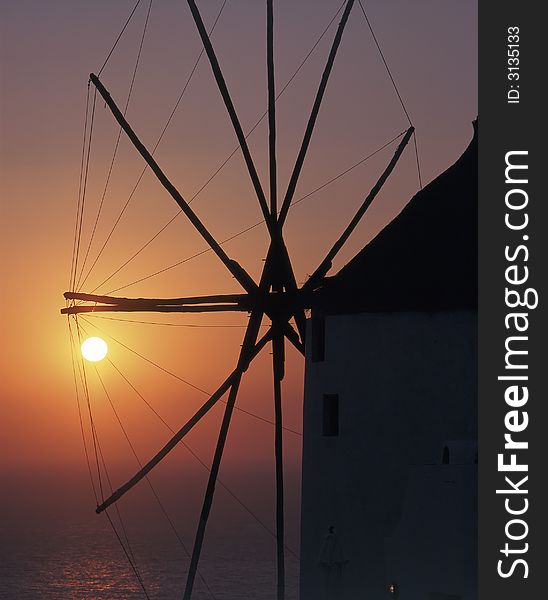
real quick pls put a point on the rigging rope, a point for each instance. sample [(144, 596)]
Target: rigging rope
[(137, 61), (119, 37), (80, 181), (258, 223), (127, 551), (82, 371), (80, 417), (395, 88), (128, 556), (220, 167), (145, 168), (385, 63), (98, 452), (84, 181)]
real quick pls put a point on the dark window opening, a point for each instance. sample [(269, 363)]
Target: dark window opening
[(331, 414), (445, 458), (318, 339)]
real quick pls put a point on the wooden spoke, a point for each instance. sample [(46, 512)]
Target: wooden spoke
[(236, 269), (278, 360), (291, 285), (221, 298), (271, 108), (245, 358), (221, 83), (314, 114), (216, 303), (136, 307)]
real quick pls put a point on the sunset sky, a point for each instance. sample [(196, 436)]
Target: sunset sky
[(48, 50)]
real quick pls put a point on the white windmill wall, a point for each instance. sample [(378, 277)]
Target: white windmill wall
[(406, 383)]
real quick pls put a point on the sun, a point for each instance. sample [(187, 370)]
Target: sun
[(94, 349)]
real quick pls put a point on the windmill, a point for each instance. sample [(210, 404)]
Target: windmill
[(276, 296)]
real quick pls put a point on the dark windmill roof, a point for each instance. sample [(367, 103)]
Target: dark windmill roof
[(425, 259)]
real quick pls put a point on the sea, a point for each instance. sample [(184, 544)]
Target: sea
[(54, 547)]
